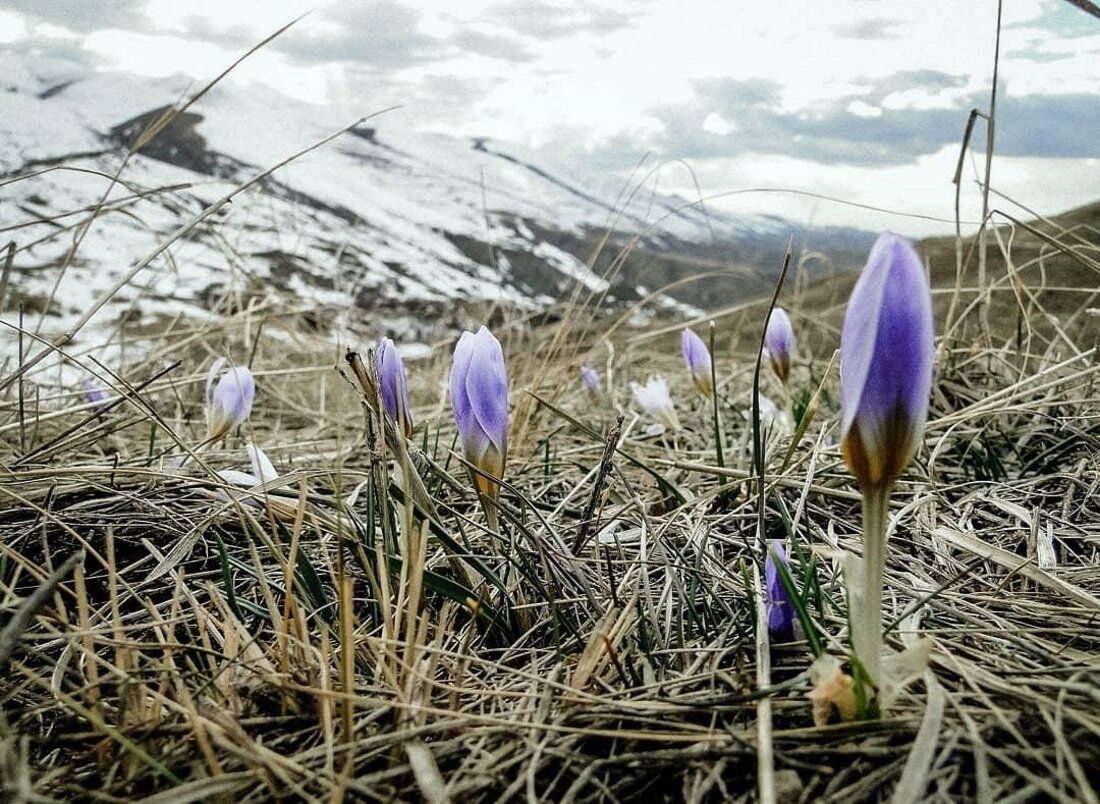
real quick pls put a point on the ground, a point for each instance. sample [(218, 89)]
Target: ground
[(349, 630)]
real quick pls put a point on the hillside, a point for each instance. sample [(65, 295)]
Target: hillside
[(1042, 274), (379, 219)]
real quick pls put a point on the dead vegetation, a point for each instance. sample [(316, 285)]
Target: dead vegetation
[(329, 635)]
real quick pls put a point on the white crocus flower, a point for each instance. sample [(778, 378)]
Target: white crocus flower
[(770, 415), (654, 399), (263, 471)]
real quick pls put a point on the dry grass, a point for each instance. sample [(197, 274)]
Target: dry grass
[(338, 637)]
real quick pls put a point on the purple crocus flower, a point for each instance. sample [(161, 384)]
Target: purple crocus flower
[(95, 395), (885, 378), (590, 379), (394, 386), (778, 603), (779, 341), (479, 396), (230, 401), (698, 361), (885, 363)]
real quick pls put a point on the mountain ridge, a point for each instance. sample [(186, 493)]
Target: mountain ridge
[(378, 216)]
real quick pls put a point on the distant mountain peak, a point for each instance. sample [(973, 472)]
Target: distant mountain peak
[(380, 214)]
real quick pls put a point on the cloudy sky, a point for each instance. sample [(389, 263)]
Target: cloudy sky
[(862, 100)]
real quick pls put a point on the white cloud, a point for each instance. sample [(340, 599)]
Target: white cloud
[(589, 77), (50, 31), (12, 27), (260, 19), (714, 123), (906, 194), (161, 55), (863, 109), (921, 98), (157, 55)]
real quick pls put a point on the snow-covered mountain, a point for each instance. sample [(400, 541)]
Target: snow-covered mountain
[(377, 216)]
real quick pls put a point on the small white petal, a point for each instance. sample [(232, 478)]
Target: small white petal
[(654, 399), (242, 479), (261, 466), (212, 375)]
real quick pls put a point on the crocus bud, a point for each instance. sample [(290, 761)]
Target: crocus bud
[(779, 341), (229, 403), (885, 363), (654, 399), (479, 396), (885, 379), (698, 361), (778, 604), (590, 379), (394, 386)]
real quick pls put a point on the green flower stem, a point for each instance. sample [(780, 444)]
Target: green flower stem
[(714, 402), (867, 632)]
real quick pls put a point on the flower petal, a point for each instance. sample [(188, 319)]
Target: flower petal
[(886, 362), (779, 335), (780, 610), (94, 393), (211, 375), (460, 367), (654, 399), (487, 389), (779, 342), (857, 340), (233, 396), (393, 384), (261, 464), (695, 352), (236, 478)]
